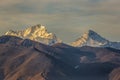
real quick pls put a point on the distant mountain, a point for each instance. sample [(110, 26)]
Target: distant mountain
[(37, 33), (40, 34), (93, 39), (25, 59)]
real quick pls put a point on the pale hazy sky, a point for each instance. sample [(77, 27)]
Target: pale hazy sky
[(68, 19)]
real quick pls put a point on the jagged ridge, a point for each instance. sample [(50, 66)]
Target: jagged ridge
[(37, 33)]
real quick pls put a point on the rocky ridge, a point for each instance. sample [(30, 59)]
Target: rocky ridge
[(37, 33)]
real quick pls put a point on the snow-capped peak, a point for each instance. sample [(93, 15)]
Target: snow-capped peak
[(37, 33), (90, 38)]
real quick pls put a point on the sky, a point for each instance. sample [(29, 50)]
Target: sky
[(68, 19)]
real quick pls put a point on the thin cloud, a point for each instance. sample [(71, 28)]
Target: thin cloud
[(77, 15)]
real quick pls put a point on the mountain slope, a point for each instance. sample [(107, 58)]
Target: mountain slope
[(22, 59), (93, 39), (37, 33), (115, 74)]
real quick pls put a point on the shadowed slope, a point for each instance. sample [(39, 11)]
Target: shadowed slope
[(115, 74), (29, 60), (23, 63)]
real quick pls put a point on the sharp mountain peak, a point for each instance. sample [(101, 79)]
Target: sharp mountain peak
[(37, 33), (90, 38)]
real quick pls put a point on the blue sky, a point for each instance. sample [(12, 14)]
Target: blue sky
[(68, 19)]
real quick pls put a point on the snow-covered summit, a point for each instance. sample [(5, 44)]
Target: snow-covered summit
[(90, 38), (37, 33), (93, 39)]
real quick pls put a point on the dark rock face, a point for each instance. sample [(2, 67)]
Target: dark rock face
[(30, 60), (9, 39), (27, 43)]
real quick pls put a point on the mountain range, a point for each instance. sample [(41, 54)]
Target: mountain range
[(39, 33), (25, 59), (24, 56)]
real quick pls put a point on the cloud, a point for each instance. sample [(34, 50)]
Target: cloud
[(75, 16), (8, 2)]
